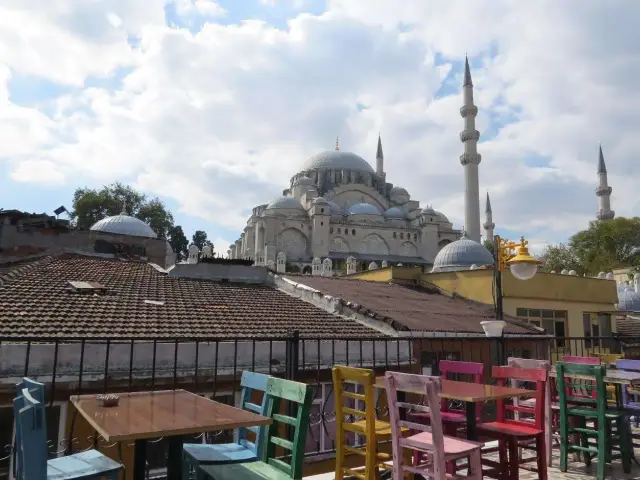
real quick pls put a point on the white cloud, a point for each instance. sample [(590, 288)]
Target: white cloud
[(219, 120)]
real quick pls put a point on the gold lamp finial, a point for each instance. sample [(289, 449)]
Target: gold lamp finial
[(337, 144)]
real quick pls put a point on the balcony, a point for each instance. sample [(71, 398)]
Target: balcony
[(212, 368)]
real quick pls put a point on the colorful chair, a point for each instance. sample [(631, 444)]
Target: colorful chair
[(243, 450), (373, 430), (30, 428), (512, 433), (630, 395), (609, 360), (454, 418), (590, 407), (434, 449), (273, 466), (551, 409)]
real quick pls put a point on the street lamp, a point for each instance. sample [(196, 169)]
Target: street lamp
[(523, 267)]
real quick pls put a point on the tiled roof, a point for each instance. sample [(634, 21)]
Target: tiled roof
[(415, 308), (629, 326), (36, 301)]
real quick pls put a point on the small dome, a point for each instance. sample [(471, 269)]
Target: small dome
[(337, 160), (628, 300), (124, 225), (398, 191), (610, 276), (564, 272), (394, 212), (428, 210), (461, 255), (304, 180), (285, 203), (572, 272), (363, 209), (602, 275), (441, 217)]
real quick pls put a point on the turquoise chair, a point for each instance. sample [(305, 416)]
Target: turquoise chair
[(243, 450), (32, 447)]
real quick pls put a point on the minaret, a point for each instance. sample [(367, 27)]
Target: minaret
[(603, 191), (379, 159), (470, 159), (488, 224)]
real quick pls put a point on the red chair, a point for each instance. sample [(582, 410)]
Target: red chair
[(510, 432)]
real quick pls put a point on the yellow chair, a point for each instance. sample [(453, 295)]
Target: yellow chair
[(609, 359), (370, 428)]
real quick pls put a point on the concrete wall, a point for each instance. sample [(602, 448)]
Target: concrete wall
[(12, 237)]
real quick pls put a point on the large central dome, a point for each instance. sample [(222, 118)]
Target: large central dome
[(337, 160)]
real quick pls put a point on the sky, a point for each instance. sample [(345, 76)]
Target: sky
[(213, 106)]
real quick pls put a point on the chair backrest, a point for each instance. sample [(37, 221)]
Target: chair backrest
[(252, 382), (580, 388), (30, 422), (633, 365), (451, 370), (567, 385), (36, 389), (429, 388), (299, 396), (531, 363), (342, 378), (539, 376)]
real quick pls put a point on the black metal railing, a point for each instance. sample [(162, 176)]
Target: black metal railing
[(213, 367)]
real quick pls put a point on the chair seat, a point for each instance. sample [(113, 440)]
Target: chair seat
[(244, 471), (383, 429), (508, 429), (633, 406), (452, 446), (89, 464), (219, 453)]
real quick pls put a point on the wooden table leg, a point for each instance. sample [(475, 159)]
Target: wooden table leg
[(472, 433), (174, 458), (140, 460)]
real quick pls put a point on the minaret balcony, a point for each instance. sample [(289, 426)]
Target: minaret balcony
[(489, 226), (468, 110), (469, 135), (603, 190), (605, 215), (473, 158)]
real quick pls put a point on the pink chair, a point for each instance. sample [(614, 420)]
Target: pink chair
[(454, 419), (435, 450)]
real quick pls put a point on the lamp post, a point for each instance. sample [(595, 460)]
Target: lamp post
[(523, 266)]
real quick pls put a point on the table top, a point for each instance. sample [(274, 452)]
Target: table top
[(620, 377), (145, 415), (471, 392)]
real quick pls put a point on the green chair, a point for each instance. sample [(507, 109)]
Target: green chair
[(611, 428), (300, 396)]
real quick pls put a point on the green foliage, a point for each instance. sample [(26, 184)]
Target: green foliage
[(91, 205), (602, 247), (179, 242), (490, 245), (199, 239)]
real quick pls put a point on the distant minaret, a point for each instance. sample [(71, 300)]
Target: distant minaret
[(488, 225), (603, 191), (379, 158), (470, 159)]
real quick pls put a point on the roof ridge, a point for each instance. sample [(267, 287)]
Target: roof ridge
[(20, 269)]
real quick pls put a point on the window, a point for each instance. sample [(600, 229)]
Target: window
[(322, 210), (338, 230), (415, 236), (596, 325), (395, 235), (321, 224), (554, 322), (353, 231), (331, 230)]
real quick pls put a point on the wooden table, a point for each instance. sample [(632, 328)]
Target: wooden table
[(142, 416), (470, 394)]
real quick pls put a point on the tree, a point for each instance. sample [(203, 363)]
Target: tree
[(605, 245), (199, 239), (179, 242), (489, 245), (91, 205)]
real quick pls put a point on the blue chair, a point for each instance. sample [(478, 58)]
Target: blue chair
[(196, 454), (36, 389), (30, 429)]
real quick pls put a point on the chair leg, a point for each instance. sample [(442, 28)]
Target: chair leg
[(514, 464), (541, 447), (186, 467), (602, 453), (626, 443), (475, 465)]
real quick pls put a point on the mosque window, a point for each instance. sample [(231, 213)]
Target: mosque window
[(415, 236), (394, 235), (338, 230), (322, 224), (353, 231), (401, 235), (331, 230), (322, 210)]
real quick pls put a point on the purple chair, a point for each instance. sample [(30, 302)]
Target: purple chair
[(630, 395)]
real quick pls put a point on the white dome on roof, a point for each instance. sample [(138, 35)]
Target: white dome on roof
[(628, 300), (284, 202), (363, 209), (461, 255), (441, 217), (124, 225), (337, 160)]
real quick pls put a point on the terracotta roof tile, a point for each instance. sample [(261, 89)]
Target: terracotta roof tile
[(415, 308), (36, 300)]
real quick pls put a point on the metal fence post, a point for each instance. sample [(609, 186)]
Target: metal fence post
[(291, 373)]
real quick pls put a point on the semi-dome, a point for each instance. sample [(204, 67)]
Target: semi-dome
[(363, 209), (124, 225), (394, 212), (628, 300), (284, 203), (460, 255), (337, 160), (335, 208)]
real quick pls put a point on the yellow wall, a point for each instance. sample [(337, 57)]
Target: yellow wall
[(389, 273)]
